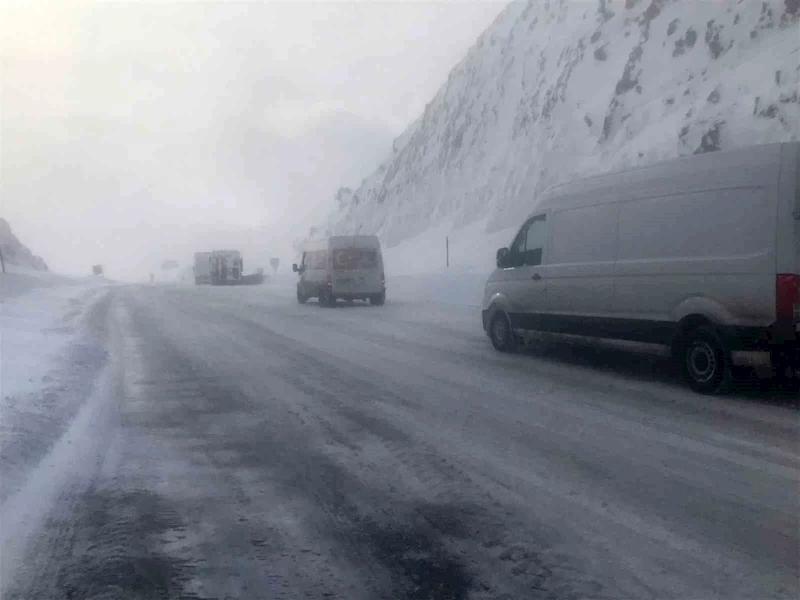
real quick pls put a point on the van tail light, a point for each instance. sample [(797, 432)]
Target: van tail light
[(330, 283), (383, 278), (787, 297)]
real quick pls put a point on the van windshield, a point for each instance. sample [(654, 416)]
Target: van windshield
[(354, 258)]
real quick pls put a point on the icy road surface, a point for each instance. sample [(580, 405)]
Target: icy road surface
[(238, 445)]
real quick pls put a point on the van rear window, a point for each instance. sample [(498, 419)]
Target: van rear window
[(354, 258)]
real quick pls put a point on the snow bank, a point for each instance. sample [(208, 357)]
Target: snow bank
[(416, 269), (39, 310), (46, 363)]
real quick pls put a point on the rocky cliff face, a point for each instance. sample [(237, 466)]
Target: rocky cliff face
[(15, 253), (557, 89)]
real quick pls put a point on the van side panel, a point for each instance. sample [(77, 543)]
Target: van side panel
[(788, 226), (749, 167), (580, 266), (717, 245)]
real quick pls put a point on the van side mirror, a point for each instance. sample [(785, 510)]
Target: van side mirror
[(294, 268), (502, 257)]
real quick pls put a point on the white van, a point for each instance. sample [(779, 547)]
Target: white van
[(700, 255), (342, 267)]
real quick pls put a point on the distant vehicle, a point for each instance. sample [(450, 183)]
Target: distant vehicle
[(699, 254), (168, 265), (274, 262), (202, 268), (97, 269), (342, 267), (226, 267)]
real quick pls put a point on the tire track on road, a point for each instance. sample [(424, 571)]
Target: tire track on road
[(533, 532), (441, 493), (38, 530)]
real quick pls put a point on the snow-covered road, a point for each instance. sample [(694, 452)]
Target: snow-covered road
[(238, 445)]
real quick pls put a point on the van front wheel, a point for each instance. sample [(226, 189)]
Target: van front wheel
[(706, 365), (501, 334)]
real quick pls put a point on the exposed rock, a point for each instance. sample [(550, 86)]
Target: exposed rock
[(687, 41), (769, 112), (710, 140), (673, 26), (15, 252), (712, 40)]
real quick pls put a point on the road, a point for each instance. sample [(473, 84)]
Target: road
[(239, 445)]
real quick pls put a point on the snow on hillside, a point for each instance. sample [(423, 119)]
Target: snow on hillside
[(15, 253), (563, 88)]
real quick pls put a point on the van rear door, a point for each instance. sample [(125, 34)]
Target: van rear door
[(357, 271)]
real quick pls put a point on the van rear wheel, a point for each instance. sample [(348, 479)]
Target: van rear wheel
[(501, 334), (705, 361), (784, 365), (378, 299)]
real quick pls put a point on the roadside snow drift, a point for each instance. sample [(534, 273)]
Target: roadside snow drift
[(48, 363)]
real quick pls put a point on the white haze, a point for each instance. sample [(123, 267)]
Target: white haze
[(142, 131)]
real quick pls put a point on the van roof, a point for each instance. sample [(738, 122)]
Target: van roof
[(343, 241), (355, 241), (743, 167)]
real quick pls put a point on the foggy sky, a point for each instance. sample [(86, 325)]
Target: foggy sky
[(138, 131)]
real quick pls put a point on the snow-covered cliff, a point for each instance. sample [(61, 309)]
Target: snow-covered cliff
[(560, 88), (15, 253)]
